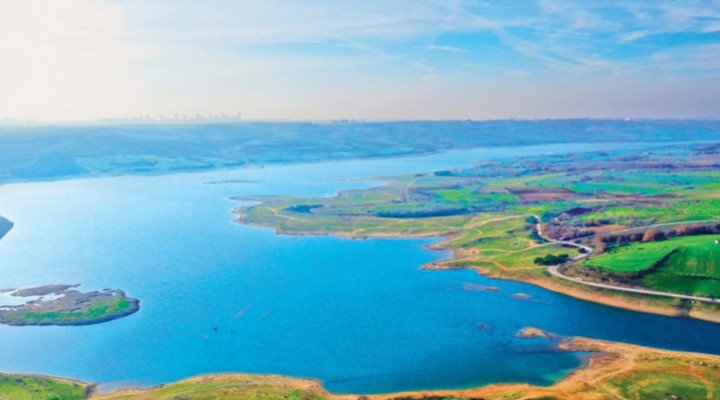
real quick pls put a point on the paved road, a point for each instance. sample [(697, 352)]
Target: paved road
[(587, 249), (554, 271)]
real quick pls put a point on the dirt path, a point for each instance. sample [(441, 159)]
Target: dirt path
[(708, 385)]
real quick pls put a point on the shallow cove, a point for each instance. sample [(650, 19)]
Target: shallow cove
[(220, 297)]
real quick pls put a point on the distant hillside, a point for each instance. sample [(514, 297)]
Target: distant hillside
[(46, 152)]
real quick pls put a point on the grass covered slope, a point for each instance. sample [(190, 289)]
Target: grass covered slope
[(698, 255), (688, 265), (231, 386), (33, 387)]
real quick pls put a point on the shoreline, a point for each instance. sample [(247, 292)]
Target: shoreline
[(638, 303), (599, 376), (605, 357)]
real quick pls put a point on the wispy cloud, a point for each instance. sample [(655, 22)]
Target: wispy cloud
[(203, 55), (450, 49)]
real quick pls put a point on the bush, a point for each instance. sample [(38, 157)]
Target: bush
[(552, 259)]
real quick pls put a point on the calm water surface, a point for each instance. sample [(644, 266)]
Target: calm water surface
[(221, 297)]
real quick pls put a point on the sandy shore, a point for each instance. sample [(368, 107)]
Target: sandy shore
[(635, 303), (609, 361), (604, 375)]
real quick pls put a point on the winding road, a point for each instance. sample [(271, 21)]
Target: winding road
[(555, 271)]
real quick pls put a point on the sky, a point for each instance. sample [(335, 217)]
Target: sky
[(79, 60)]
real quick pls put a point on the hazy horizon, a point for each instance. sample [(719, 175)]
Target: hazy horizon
[(277, 60), (153, 120)]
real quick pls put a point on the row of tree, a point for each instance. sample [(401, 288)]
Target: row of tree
[(601, 243)]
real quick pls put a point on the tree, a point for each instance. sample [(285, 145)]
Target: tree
[(599, 245)]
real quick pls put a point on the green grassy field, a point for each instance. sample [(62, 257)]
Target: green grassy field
[(72, 311), (657, 386), (222, 387), (29, 387), (94, 312), (688, 264)]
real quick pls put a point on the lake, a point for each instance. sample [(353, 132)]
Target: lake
[(360, 315)]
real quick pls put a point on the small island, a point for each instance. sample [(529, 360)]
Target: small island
[(64, 305), (532, 332)]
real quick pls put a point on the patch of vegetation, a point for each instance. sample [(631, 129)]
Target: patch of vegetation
[(303, 208), (221, 387), (446, 212), (456, 194), (96, 311), (674, 385), (551, 259), (432, 398), (31, 387)]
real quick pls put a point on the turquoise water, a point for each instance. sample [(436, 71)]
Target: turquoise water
[(220, 297)]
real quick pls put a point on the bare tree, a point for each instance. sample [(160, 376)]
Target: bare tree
[(652, 235)]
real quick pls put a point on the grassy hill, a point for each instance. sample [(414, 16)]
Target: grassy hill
[(221, 387), (688, 264), (32, 387)]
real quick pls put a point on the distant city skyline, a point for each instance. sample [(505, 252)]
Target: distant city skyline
[(196, 117), (94, 60)]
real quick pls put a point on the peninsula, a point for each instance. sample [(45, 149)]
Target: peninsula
[(613, 227)]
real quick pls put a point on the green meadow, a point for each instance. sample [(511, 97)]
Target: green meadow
[(30, 387), (688, 264)]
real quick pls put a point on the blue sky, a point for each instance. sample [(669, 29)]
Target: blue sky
[(320, 59)]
